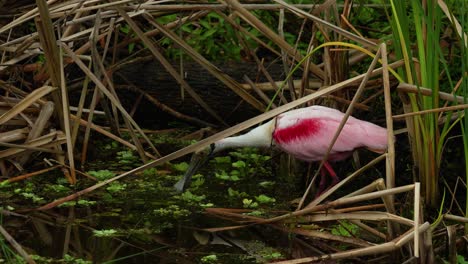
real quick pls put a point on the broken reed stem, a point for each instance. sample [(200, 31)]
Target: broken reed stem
[(333, 215), (410, 88), (386, 200), (369, 229), (417, 204), (367, 189), (457, 218), (372, 250), (341, 202), (435, 110)]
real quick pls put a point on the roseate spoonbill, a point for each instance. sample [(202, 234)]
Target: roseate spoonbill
[(304, 133)]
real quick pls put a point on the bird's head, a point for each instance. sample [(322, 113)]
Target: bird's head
[(198, 158)]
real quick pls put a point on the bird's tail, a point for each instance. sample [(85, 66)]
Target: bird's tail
[(375, 137)]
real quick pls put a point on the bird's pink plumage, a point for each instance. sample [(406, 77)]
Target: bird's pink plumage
[(303, 129), (306, 133)]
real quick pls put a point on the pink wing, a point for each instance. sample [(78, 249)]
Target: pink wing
[(306, 133)]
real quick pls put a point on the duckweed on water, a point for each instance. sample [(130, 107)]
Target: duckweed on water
[(102, 174), (105, 233), (139, 207)]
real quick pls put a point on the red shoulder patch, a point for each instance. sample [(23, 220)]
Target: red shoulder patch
[(302, 129)]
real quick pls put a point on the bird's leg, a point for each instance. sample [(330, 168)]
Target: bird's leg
[(323, 171), (323, 181), (332, 173)]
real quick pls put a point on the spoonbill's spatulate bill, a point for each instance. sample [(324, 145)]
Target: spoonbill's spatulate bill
[(306, 134)]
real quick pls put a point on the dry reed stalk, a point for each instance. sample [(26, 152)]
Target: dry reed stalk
[(80, 110), (15, 60), (452, 243), (360, 208), (245, 32), (65, 9), (66, 119), (17, 147), (98, 61), (108, 94), (434, 110), (255, 22), (417, 210), (207, 65), (100, 72), (69, 225), (166, 64), (14, 135), (409, 88), (274, 85), (363, 41), (29, 175), (39, 144), (368, 188), (386, 200), (259, 92), (330, 215), (365, 227), (37, 128), (162, 106), (109, 135), (30, 99), (48, 41), (395, 244), (457, 218), (81, 34), (340, 100), (248, 6), (87, 134), (284, 55), (24, 18), (70, 28), (16, 246), (328, 236), (390, 162), (341, 202), (151, 33), (238, 216)]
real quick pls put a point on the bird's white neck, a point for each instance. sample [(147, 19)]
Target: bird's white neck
[(258, 137)]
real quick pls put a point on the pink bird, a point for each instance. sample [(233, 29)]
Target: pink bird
[(306, 134)]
